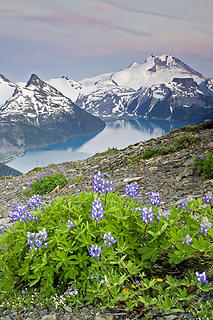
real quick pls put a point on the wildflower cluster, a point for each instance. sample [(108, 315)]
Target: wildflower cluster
[(45, 182), (36, 240), (142, 262), (205, 225), (95, 251), (40, 175), (101, 186), (108, 239), (35, 202), (201, 277), (187, 240), (164, 214), (155, 198), (21, 212), (97, 210), (146, 214), (132, 190), (184, 204), (207, 198)]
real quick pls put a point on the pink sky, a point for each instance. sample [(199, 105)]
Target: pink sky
[(84, 38)]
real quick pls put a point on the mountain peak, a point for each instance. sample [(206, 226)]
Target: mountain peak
[(133, 64), (35, 83), (4, 79), (34, 80)]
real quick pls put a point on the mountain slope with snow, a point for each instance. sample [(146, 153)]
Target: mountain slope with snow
[(38, 114), (6, 89)]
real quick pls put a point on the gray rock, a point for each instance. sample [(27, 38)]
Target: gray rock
[(43, 312), (49, 317), (134, 179)]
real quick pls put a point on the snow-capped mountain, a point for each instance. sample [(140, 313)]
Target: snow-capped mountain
[(114, 95), (6, 89), (39, 114), (182, 99), (68, 87)]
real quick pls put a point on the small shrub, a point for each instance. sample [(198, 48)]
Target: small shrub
[(6, 177), (77, 179), (205, 164), (46, 182), (182, 141)]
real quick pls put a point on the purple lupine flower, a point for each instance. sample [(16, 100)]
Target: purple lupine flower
[(61, 171), (2, 227), (108, 239), (18, 210), (183, 204), (201, 277), (96, 276), (36, 240), (30, 183), (207, 198), (101, 186), (155, 198), (95, 251), (146, 214), (205, 225), (97, 210), (35, 202), (187, 240), (70, 224), (132, 189), (162, 213), (109, 186)]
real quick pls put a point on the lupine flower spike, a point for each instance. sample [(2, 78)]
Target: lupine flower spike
[(132, 189), (97, 210), (201, 277), (108, 239), (95, 251), (101, 186)]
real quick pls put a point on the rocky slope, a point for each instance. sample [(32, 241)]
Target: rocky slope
[(38, 115), (171, 174)]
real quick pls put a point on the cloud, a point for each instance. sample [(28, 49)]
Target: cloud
[(147, 12), (61, 19)]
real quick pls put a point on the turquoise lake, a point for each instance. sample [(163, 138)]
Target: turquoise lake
[(117, 134)]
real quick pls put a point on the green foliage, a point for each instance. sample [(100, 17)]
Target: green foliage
[(182, 141), (109, 151), (47, 184), (205, 165), (77, 179), (6, 177), (202, 310), (136, 271)]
